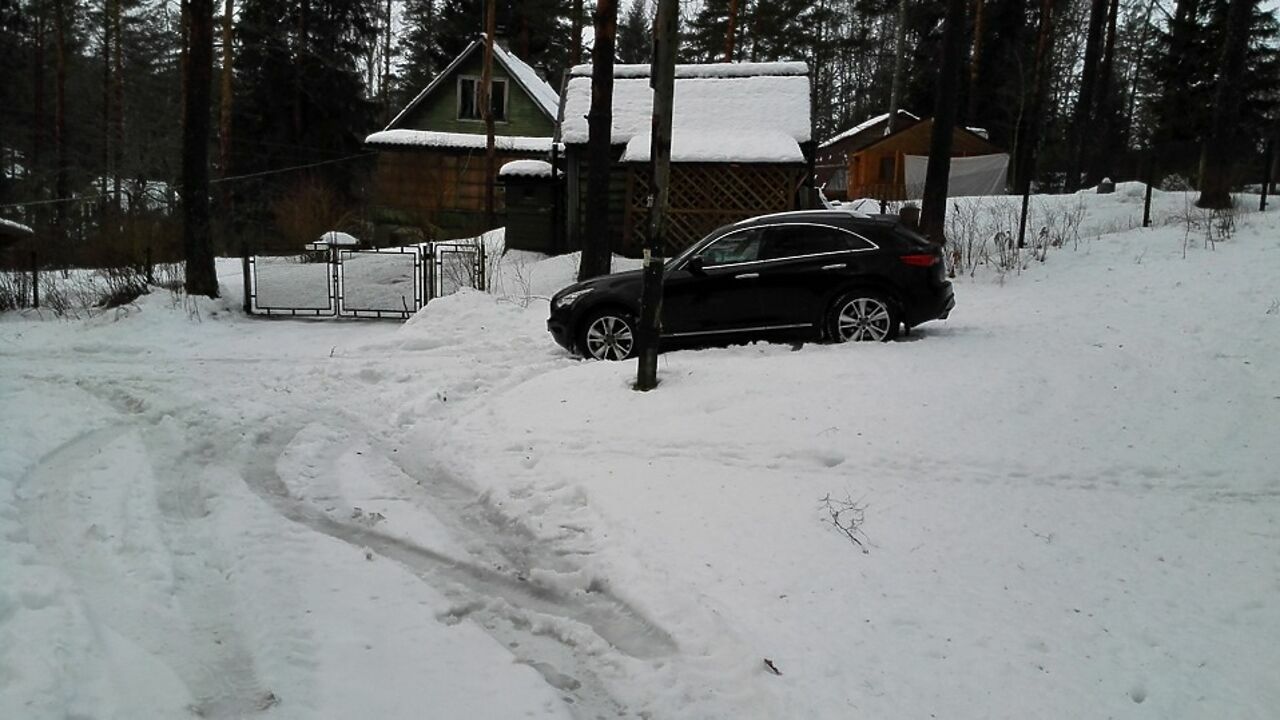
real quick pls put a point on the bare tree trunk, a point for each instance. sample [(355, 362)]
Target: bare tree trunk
[(1098, 155), (663, 82), (197, 242), (226, 100), (1138, 66), (899, 59), (975, 60), (595, 242), (106, 105), (62, 182), (302, 47), (1084, 101), (933, 213), (1028, 126), (575, 42), (731, 31), (37, 82), (1217, 156), (117, 62), (486, 111), (386, 71)]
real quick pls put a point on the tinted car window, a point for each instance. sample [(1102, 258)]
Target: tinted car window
[(737, 247), (792, 240)]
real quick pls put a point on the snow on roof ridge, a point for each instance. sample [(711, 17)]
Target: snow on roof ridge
[(869, 122), (704, 70), (547, 99), (468, 141), (540, 90)]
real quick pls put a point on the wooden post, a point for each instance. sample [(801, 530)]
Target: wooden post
[(662, 78), (248, 286), (486, 110), (150, 266), (1146, 200), (1266, 175), (35, 281)]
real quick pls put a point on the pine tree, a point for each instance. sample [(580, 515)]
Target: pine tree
[(635, 37)]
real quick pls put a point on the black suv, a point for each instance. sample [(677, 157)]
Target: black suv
[(821, 274)]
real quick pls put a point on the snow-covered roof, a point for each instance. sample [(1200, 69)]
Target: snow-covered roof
[(864, 125), (14, 229), (763, 146), (526, 168), (724, 112), (542, 94), (459, 141)]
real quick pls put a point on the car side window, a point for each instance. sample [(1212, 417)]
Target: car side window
[(736, 247), (783, 241)]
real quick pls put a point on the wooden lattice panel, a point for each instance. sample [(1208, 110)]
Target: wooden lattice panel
[(704, 197)]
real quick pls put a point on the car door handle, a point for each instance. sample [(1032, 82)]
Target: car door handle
[(746, 276), (837, 266)]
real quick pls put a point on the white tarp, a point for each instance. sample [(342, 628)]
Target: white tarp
[(977, 175)]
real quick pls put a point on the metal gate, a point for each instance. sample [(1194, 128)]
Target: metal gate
[(375, 283)]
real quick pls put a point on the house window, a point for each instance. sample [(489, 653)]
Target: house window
[(886, 168), (469, 99)]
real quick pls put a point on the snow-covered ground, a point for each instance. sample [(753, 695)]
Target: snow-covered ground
[(1068, 497)]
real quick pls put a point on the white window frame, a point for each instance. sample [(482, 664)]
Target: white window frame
[(506, 98)]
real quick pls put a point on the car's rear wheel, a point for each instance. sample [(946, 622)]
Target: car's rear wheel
[(863, 316), (608, 335)]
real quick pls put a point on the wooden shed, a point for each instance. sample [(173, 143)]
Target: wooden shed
[(741, 146), (430, 175), (832, 162), (890, 168)]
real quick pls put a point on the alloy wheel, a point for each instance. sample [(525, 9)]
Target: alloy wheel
[(864, 318), (610, 337)]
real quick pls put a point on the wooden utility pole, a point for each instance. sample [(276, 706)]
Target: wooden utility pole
[(202, 279), (899, 53), (486, 112), (662, 78), (1217, 156), (933, 211), (595, 241)]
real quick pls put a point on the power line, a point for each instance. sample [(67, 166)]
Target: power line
[(216, 181)]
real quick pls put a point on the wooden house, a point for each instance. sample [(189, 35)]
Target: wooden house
[(832, 162), (430, 175), (893, 166), (741, 146)]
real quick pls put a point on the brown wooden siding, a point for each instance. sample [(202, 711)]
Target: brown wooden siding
[(865, 176), (422, 187)]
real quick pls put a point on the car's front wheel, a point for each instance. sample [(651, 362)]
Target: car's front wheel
[(863, 316), (608, 335)]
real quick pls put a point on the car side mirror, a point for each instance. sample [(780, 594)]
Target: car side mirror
[(695, 265)]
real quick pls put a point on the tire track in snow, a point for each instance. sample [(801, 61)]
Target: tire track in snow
[(565, 635), (102, 514)]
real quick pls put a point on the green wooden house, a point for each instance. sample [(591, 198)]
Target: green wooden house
[(430, 174)]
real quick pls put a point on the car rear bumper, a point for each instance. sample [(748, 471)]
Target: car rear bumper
[(938, 307)]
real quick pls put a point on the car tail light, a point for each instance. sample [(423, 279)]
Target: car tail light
[(920, 260)]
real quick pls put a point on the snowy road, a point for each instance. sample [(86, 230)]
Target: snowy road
[(1070, 492)]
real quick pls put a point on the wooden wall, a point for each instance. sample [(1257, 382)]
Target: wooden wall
[(865, 178), (436, 188)]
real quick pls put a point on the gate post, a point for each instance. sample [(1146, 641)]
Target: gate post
[(248, 289)]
